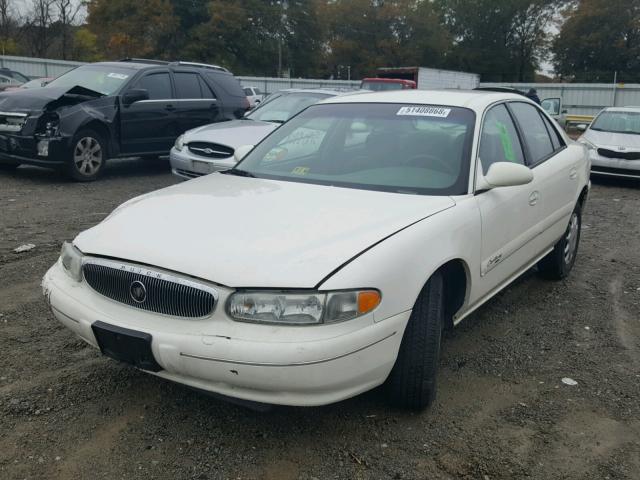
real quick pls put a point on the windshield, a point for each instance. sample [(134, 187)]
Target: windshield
[(282, 108), (391, 147), (381, 86), (102, 79), (617, 122)]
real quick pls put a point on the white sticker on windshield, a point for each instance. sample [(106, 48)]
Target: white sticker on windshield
[(119, 76), (422, 111)]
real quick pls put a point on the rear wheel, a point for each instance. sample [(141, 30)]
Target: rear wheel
[(412, 382), (559, 262), (87, 157)]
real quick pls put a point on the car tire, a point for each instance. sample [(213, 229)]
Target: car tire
[(559, 262), (412, 381), (87, 156)]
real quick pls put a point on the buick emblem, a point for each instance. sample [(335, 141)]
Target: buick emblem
[(138, 291)]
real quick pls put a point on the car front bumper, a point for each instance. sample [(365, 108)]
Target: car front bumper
[(617, 167), (19, 149), (186, 165), (302, 366)]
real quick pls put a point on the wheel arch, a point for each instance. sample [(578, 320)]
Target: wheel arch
[(457, 279), (582, 198), (102, 129)]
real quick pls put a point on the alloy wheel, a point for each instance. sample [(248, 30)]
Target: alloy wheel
[(571, 239), (87, 156)]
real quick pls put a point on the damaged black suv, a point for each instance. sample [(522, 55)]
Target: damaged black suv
[(113, 109)]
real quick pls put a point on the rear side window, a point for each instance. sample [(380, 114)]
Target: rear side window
[(204, 88), (187, 85), (248, 92), (534, 131), (226, 82), (499, 141), (158, 85)]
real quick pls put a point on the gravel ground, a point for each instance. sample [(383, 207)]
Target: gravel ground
[(502, 410)]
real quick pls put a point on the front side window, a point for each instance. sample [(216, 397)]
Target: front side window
[(102, 79), (551, 106), (534, 131), (617, 122), (418, 149), (158, 85), (499, 141)]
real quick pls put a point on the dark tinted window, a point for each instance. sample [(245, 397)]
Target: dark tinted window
[(187, 85), (535, 133), (204, 88), (158, 85), (227, 82), (499, 141)]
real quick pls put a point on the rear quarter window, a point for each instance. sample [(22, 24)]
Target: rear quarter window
[(226, 82)]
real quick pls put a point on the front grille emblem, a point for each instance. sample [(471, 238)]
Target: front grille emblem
[(138, 291)]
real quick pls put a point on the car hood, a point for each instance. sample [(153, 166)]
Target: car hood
[(613, 140), (249, 232), (232, 134), (34, 99)]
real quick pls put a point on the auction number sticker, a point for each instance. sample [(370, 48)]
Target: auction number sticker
[(421, 111), (119, 76)]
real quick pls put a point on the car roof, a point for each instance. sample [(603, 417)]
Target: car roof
[(328, 91), (622, 109), (473, 99)]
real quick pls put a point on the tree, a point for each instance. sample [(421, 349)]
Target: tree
[(67, 12), (8, 29), (503, 40), (38, 26), (132, 29), (598, 38)]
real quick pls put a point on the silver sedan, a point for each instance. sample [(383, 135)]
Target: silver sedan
[(211, 148)]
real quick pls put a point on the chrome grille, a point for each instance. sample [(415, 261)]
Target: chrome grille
[(163, 293), (210, 150), (12, 121)]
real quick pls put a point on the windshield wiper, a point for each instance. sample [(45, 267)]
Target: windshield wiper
[(238, 173), (274, 121)]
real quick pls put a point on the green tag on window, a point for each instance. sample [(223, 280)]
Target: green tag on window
[(505, 139)]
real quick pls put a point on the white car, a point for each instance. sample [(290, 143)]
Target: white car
[(613, 139), (307, 276), (254, 95)]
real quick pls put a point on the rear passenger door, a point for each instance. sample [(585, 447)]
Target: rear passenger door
[(197, 104), (554, 168), (150, 126)]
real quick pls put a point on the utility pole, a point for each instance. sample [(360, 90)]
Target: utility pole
[(348, 72), (615, 81), (279, 56)]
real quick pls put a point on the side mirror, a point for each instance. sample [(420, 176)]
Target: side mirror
[(582, 127), (242, 151), (507, 174), (134, 95)]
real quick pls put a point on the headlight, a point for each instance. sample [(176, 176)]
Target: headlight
[(301, 308), (179, 143), (71, 259)]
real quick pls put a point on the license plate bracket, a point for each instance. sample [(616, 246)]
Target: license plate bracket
[(125, 345)]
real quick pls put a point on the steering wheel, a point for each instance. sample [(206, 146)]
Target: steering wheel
[(426, 158)]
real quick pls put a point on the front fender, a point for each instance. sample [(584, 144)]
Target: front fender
[(401, 265)]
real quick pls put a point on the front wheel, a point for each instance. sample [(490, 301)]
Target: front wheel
[(412, 381), (559, 262), (87, 157)]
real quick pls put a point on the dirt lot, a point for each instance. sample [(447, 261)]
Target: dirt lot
[(502, 411)]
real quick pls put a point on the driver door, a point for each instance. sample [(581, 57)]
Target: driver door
[(150, 126), (508, 214)]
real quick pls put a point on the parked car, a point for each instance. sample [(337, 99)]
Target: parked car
[(254, 95), (11, 79), (553, 106), (309, 276), (35, 83), (613, 139), (211, 148), (8, 83), (113, 109), (383, 84)]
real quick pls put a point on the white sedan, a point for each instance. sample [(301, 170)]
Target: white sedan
[(305, 276), (613, 139)]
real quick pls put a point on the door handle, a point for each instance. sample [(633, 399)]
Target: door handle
[(573, 173), (534, 197), (169, 107)]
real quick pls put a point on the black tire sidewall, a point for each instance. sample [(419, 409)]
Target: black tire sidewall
[(70, 165), (565, 267)]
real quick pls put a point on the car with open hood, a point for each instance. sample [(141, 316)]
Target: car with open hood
[(113, 109), (304, 276), (211, 148), (613, 139)]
